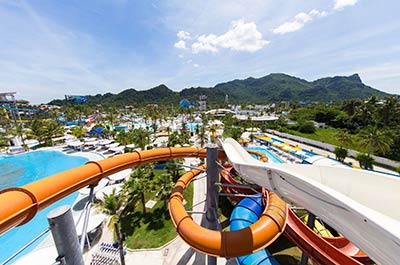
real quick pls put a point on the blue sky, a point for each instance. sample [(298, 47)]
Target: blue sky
[(51, 48)]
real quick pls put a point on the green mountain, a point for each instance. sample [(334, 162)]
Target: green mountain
[(271, 88)]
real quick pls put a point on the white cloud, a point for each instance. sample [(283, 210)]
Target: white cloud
[(340, 4), (180, 44), (183, 35), (205, 44), (240, 37), (195, 65), (299, 21)]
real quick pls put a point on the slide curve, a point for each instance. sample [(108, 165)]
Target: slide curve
[(340, 196), (258, 235), (246, 213), (322, 250)]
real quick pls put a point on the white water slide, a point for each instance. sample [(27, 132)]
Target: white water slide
[(362, 205)]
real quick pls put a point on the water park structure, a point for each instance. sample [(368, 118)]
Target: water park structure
[(340, 196)]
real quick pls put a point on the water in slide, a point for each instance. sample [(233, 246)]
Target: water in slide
[(246, 213)]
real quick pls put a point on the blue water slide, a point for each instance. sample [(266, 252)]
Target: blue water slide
[(247, 212)]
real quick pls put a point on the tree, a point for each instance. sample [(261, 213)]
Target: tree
[(365, 161), (350, 106), (213, 131), (307, 127), (344, 139), (141, 137), (113, 205), (173, 139), (174, 170), (202, 135), (138, 184), (340, 153), (79, 132), (236, 132), (35, 130), (165, 185), (389, 112), (375, 140), (52, 129)]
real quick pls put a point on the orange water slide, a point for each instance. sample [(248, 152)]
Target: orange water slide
[(19, 205), (222, 243)]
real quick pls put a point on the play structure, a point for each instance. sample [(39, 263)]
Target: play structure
[(361, 205)]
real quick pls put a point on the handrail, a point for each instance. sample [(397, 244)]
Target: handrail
[(18, 206)]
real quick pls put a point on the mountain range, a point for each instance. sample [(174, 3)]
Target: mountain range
[(275, 87)]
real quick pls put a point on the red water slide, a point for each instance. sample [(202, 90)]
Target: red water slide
[(321, 250)]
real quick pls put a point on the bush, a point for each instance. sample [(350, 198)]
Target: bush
[(341, 153), (307, 127), (365, 161)]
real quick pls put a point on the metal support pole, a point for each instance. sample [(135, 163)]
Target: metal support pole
[(120, 244), (310, 224), (212, 178), (65, 237), (86, 219)]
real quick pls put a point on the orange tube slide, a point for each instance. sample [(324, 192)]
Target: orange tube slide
[(221, 243), (19, 205)]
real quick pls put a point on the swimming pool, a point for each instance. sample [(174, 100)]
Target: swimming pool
[(22, 169), (192, 126), (271, 156)]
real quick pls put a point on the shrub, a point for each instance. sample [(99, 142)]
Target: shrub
[(365, 161), (341, 153), (307, 127)]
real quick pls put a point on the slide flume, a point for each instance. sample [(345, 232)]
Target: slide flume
[(340, 196), (222, 243), (322, 250)]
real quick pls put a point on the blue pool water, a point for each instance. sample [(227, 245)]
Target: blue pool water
[(192, 126), (271, 156), (22, 169)]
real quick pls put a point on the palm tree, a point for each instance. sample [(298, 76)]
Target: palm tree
[(154, 127), (138, 184), (344, 138), (202, 135), (111, 117), (141, 137), (340, 153), (213, 131), (389, 112), (165, 185), (173, 139), (174, 170), (79, 132), (113, 205), (168, 129), (374, 140), (36, 131), (52, 129), (350, 106)]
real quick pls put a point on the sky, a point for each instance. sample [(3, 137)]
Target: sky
[(52, 48)]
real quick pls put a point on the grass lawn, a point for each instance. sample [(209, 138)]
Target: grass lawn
[(156, 228), (328, 135)]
